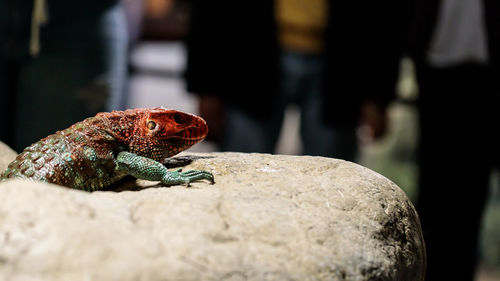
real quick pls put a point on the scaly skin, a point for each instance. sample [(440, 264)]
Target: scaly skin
[(98, 151)]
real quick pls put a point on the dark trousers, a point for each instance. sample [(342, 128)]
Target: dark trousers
[(457, 151), (301, 85)]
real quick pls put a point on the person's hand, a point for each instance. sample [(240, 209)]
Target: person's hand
[(213, 110), (374, 121)]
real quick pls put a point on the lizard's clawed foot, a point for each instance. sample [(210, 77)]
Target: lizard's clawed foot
[(178, 177)]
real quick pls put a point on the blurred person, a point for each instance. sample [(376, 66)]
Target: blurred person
[(233, 66), (248, 61), (364, 44), (60, 62), (300, 29), (455, 47)]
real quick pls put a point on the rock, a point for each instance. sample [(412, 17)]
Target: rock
[(267, 217), (7, 155)]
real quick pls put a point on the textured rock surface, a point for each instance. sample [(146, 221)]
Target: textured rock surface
[(266, 218)]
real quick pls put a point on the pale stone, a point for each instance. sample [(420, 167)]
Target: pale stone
[(267, 217)]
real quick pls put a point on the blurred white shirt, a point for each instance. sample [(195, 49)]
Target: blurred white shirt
[(460, 34)]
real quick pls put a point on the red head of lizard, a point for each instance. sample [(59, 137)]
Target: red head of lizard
[(158, 133)]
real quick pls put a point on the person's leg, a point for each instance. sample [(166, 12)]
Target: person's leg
[(318, 138), (116, 38), (247, 133), (454, 169)]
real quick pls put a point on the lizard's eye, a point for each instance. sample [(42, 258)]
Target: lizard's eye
[(177, 118), (151, 125)]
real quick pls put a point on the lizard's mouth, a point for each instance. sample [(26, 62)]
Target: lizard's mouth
[(193, 133)]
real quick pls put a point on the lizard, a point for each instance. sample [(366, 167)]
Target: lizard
[(99, 151)]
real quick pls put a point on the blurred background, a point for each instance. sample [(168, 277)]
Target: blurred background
[(404, 88)]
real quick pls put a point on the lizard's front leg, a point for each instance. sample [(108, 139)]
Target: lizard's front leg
[(149, 169)]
